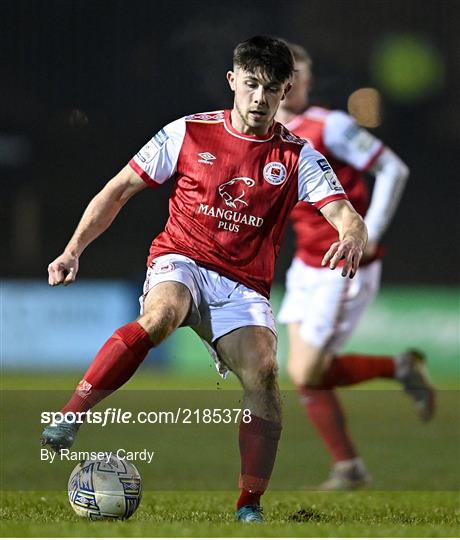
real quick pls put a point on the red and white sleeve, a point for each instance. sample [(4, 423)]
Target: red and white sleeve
[(318, 183), (349, 142), (156, 161)]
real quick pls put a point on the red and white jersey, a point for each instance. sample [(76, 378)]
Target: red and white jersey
[(350, 150), (233, 193)]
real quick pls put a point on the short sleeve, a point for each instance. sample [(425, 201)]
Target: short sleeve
[(350, 143), (318, 183), (156, 161)]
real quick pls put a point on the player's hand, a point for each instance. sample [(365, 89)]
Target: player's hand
[(350, 250), (63, 270)]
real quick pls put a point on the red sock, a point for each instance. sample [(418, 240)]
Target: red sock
[(114, 364), (355, 368), (327, 416), (247, 498), (322, 404), (258, 446)]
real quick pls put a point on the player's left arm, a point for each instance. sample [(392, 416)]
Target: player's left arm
[(391, 175), (349, 142), (319, 185), (352, 236)]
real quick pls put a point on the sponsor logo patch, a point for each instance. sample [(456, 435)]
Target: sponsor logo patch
[(329, 175), (275, 173), (148, 151), (351, 132), (206, 157), (333, 181), (160, 138), (360, 140), (234, 190), (323, 165)]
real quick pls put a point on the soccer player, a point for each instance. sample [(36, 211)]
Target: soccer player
[(237, 174), (322, 309)]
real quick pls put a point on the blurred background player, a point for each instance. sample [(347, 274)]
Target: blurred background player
[(320, 308), (237, 174)]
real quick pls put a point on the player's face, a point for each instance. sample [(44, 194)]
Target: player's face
[(297, 99), (256, 100)]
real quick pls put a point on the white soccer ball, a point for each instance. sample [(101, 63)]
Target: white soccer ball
[(100, 489)]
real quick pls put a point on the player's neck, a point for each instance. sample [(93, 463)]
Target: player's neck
[(239, 125)]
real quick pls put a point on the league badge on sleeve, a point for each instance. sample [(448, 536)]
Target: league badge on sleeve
[(148, 151), (360, 139), (329, 175)]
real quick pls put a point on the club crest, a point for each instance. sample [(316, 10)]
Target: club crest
[(275, 173)]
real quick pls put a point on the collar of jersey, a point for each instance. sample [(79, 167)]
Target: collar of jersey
[(254, 138)]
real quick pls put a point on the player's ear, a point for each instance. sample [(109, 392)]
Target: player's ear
[(231, 79), (287, 88)]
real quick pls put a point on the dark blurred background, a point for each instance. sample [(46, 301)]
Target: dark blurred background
[(86, 84)]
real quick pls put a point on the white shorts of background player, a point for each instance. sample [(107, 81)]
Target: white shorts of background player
[(327, 305)]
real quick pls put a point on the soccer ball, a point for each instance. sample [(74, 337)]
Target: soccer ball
[(105, 489)]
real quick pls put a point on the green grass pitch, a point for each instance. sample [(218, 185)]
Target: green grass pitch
[(198, 514), (190, 487)]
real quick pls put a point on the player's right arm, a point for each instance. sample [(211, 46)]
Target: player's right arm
[(155, 163), (97, 217)]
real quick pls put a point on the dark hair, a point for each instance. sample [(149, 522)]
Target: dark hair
[(268, 55)]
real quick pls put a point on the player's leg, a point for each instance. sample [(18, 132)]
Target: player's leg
[(316, 369), (335, 305), (306, 362), (317, 376), (320, 365), (250, 352), (166, 306), (306, 368)]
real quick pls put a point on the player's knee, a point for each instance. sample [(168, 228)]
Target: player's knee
[(262, 374), (268, 374), (313, 376), (161, 321), (170, 318), (308, 369), (295, 373)]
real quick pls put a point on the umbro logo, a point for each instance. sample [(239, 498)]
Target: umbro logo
[(206, 157)]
